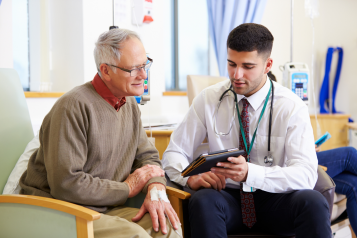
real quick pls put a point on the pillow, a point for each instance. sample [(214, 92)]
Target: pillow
[(12, 185)]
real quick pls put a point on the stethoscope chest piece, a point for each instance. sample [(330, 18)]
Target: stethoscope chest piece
[(268, 160)]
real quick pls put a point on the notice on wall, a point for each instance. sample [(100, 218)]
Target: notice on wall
[(121, 10)]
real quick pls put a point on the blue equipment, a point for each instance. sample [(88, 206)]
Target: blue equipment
[(324, 92)]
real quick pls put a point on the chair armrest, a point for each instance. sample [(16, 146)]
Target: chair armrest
[(59, 205), (325, 186), (177, 193)]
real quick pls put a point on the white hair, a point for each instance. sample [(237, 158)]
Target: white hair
[(108, 46)]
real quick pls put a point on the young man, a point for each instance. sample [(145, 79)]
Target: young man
[(284, 202), (94, 151)]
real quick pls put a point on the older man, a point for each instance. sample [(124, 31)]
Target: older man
[(93, 150)]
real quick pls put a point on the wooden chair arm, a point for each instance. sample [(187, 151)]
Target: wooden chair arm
[(177, 193), (59, 205)]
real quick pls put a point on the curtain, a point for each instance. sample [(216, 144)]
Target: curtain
[(224, 16)]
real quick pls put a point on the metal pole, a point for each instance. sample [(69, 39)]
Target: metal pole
[(177, 86), (291, 31)]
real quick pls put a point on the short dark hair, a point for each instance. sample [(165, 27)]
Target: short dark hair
[(250, 37)]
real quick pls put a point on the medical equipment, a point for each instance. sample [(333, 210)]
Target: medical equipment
[(267, 159), (296, 77), (143, 9), (146, 95)]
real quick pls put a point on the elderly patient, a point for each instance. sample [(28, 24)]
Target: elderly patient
[(93, 150)]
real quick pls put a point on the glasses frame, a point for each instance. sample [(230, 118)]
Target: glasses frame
[(145, 67)]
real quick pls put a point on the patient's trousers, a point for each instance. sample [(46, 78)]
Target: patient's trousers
[(341, 165), (117, 223), (304, 213)]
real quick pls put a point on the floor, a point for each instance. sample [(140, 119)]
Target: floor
[(343, 233)]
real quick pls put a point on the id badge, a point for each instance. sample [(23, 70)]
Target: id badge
[(248, 189)]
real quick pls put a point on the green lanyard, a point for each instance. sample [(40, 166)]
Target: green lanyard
[(255, 132)]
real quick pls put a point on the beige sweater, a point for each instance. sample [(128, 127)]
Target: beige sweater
[(87, 151)]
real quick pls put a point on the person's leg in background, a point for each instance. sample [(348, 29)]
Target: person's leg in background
[(341, 166)]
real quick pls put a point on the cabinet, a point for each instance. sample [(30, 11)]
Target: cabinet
[(336, 125)]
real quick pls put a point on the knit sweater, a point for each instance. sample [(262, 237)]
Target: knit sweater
[(87, 150)]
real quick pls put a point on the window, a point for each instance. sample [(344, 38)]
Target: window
[(20, 36), (189, 47)]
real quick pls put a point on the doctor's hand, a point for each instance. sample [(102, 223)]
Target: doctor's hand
[(207, 180), (236, 169), (317, 149), (157, 211), (138, 179)]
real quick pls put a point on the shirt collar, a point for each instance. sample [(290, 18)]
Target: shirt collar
[(106, 94), (257, 98)]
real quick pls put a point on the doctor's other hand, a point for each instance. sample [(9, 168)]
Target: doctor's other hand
[(138, 179), (207, 180), (317, 149), (236, 169)]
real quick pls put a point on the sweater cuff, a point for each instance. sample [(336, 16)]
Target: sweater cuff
[(154, 180), (124, 194)]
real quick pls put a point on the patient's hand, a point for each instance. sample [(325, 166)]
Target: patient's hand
[(137, 180), (207, 180), (157, 211), (236, 169), (317, 149)]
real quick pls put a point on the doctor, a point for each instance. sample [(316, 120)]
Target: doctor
[(284, 202)]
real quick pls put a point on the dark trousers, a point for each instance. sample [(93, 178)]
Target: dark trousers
[(304, 213)]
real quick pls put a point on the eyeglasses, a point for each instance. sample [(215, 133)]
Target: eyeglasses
[(136, 71)]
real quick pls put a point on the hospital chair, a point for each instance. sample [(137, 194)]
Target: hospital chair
[(33, 216), (325, 185)]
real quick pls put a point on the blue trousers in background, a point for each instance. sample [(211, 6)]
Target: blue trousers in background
[(341, 166), (304, 213)]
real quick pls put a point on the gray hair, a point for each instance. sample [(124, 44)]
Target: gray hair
[(108, 46)]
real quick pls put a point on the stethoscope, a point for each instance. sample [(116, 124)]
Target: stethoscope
[(268, 160)]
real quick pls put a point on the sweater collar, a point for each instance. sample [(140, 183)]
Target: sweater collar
[(106, 94)]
